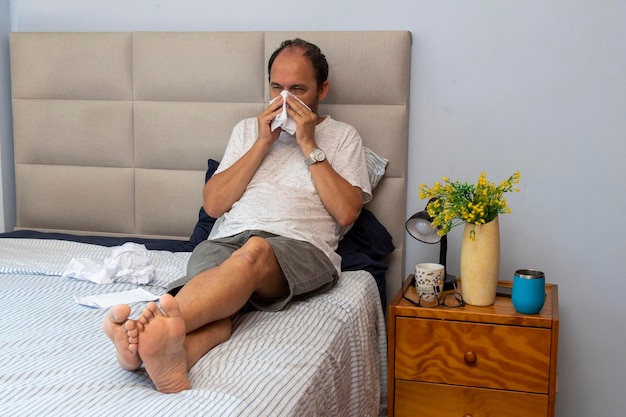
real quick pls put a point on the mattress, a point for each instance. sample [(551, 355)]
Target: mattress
[(324, 356)]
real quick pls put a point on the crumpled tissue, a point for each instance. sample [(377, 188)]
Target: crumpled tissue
[(127, 263), (111, 299), (283, 120)]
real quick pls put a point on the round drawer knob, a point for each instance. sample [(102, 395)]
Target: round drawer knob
[(467, 415), (470, 357)]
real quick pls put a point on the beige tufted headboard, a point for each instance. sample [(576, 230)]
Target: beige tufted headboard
[(112, 131)]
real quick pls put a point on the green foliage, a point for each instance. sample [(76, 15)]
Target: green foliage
[(455, 203)]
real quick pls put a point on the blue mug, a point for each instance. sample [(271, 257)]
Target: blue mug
[(529, 291)]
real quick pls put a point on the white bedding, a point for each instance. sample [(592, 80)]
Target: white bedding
[(325, 356)]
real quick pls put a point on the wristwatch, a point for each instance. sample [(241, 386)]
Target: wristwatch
[(317, 155)]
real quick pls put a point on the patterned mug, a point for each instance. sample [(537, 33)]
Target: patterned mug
[(429, 279)]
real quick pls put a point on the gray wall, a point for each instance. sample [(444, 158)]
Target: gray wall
[(497, 86), (7, 176)]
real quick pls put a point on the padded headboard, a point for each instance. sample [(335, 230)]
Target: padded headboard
[(112, 131)]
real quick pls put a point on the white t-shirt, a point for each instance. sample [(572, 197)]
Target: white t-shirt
[(281, 197)]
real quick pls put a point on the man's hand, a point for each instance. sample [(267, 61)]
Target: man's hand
[(265, 119), (306, 120)]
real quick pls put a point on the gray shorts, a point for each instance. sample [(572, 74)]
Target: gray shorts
[(307, 269)]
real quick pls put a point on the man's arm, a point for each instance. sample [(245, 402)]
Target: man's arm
[(342, 200), (226, 187)]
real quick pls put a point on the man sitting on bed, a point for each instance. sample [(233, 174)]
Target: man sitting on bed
[(282, 202)]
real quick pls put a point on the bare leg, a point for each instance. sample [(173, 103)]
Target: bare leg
[(124, 335), (221, 292)]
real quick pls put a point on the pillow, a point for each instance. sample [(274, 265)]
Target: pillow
[(205, 222), (376, 165), (365, 247)]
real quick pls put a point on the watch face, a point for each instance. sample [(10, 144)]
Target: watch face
[(318, 155)]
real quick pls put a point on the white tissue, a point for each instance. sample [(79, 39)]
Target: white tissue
[(87, 270), (127, 263), (111, 299), (283, 120)]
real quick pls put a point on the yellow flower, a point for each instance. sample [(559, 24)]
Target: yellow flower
[(454, 203)]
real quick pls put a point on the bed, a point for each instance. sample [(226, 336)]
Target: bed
[(114, 136)]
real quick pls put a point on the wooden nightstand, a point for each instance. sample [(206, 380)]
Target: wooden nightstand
[(472, 361)]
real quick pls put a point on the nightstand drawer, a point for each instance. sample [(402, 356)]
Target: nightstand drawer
[(419, 399), (473, 354)]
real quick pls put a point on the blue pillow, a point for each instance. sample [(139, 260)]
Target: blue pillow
[(205, 222), (365, 247)]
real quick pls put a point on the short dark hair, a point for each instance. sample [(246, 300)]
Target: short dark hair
[(311, 51)]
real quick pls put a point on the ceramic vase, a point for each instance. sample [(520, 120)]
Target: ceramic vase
[(480, 263)]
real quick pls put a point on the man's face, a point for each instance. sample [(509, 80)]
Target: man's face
[(293, 72)]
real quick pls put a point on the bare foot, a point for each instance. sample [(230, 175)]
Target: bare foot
[(161, 345), (124, 335)]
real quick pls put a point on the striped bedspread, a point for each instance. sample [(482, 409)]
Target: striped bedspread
[(325, 356)]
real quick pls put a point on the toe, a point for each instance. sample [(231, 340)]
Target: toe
[(170, 306), (119, 314), (149, 313)]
